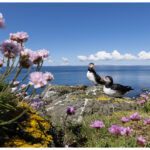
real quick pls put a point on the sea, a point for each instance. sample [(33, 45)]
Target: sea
[(138, 77)]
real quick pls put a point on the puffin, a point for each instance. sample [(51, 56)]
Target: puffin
[(115, 90), (93, 76)]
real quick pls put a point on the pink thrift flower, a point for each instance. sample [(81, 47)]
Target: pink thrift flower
[(38, 80), (141, 141), (19, 36), (116, 129), (124, 120), (144, 96), (97, 124), (48, 76), (140, 102), (126, 131), (2, 21), (10, 48), (16, 83), (35, 57), (147, 121), (135, 117), (70, 111), (43, 53)]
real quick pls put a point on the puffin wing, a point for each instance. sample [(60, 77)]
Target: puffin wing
[(98, 78), (121, 88)]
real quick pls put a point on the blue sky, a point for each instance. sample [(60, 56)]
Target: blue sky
[(79, 33)]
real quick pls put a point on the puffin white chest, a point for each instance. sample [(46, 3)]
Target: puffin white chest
[(91, 77), (109, 91)]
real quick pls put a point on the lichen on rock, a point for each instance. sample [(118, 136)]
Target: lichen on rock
[(86, 100)]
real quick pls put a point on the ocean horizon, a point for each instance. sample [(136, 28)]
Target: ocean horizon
[(136, 76)]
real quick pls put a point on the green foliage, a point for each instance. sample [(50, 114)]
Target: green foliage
[(147, 106), (8, 111)]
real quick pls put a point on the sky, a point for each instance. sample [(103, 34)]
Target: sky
[(80, 33)]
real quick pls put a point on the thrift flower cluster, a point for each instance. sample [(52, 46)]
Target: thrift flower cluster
[(39, 80), (97, 124), (10, 48), (19, 37)]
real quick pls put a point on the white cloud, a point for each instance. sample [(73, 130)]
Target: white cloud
[(65, 59), (115, 55), (50, 61), (82, 58)]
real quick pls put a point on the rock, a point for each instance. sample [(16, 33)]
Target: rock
[(86, 100), (144, 90)]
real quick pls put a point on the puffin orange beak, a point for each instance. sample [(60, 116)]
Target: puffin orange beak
[(102, 79)]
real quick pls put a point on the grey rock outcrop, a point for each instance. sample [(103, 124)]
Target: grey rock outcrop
[(86, 100)]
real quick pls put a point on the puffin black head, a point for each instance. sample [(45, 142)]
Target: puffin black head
[(91, 67), (108, 80)]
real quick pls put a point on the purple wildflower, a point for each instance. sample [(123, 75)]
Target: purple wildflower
[(10, 48), (140, 102), (144, 96), (97, 124), (70, 111), (147, 121), (135, 117), (126, 131), (116, 129), (141, 141), (38, 80), (124, 120), (19, 36), (37, 103)]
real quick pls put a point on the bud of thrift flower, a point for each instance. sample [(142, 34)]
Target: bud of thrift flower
[(135, 117), (2, 21), (124, 120), (70, 111), (10, 48), (1, 62), (141, 141), (19, 37), (16, 83), (48, 76), (38, 80), (23, 86), (14, 89), (97, 124)]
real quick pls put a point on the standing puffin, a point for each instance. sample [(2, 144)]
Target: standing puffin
[(93, 76), (115, 90)]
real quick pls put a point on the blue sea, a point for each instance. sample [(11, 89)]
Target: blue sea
[(136, 76)]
